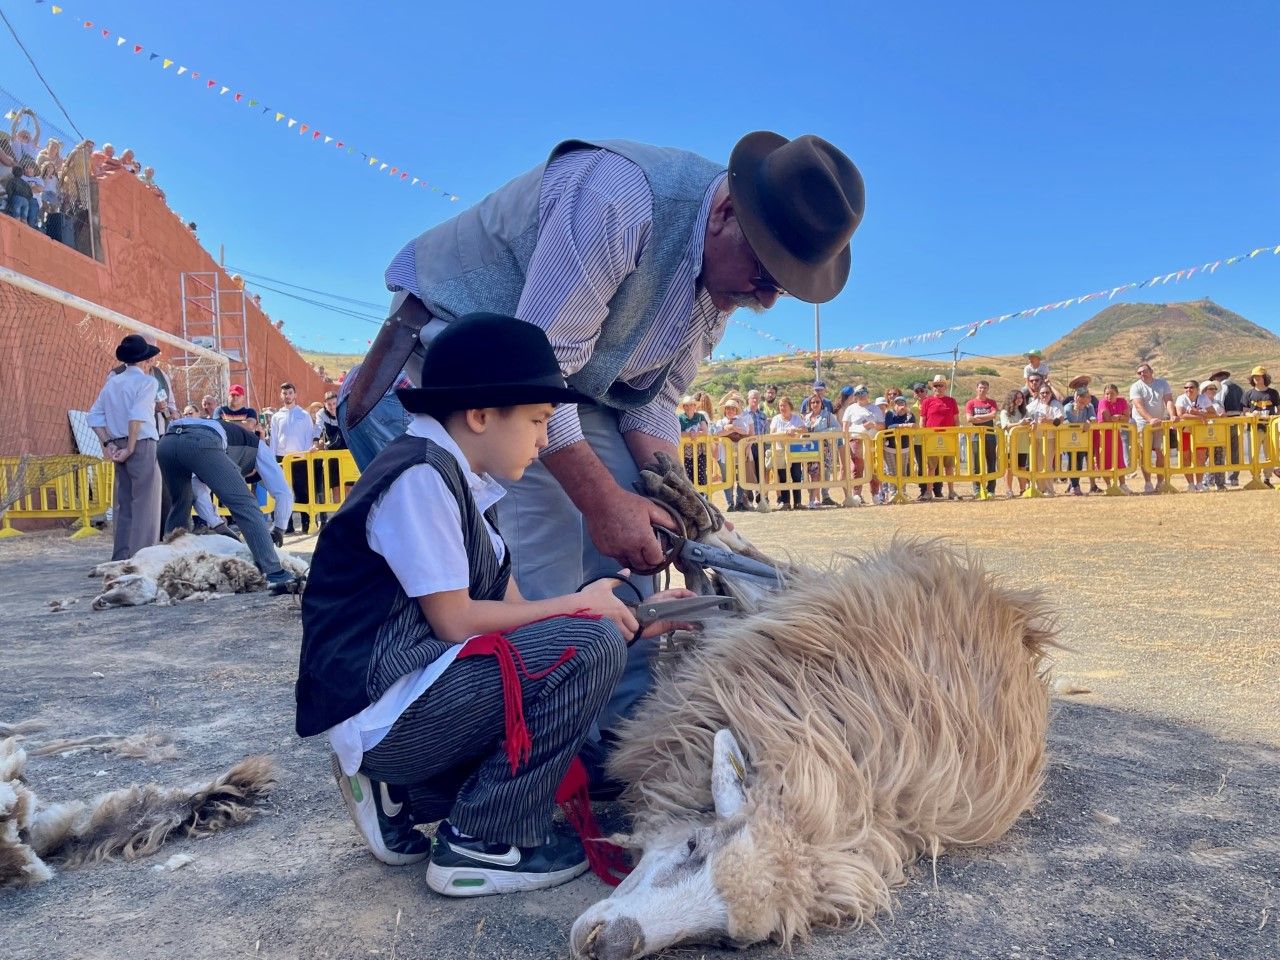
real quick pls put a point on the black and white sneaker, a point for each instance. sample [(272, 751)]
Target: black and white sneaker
[(474, 868), (382, 816)]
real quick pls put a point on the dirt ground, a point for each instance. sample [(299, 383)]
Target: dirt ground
[(1156, 835)]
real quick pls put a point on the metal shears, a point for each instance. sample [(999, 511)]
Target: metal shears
[(696, 609), (685, 552)]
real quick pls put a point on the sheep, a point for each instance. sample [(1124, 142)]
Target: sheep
[(785, 771), (132, 822), (184, 567)]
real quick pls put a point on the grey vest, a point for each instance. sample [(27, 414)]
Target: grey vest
[(478, 260)]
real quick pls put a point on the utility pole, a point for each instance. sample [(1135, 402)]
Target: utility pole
[(817, 343), (955, 360)]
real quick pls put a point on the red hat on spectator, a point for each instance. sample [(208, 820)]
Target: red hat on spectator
[(236, 390)]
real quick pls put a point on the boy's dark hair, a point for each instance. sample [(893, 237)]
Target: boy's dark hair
[(287, 386)]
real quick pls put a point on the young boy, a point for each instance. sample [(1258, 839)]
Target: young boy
[(445, 694)]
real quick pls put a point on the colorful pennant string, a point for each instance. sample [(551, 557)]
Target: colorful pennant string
[(239, 97), (1176, 276)]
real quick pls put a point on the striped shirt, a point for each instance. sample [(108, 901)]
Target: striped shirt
[(595, 211)]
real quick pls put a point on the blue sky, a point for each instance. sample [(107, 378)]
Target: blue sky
[(1014, 153)]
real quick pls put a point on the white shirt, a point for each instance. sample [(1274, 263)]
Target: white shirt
[(858, 419), (1038, 409), (416, 527), (292, 431), (1213, 406), (129, 396), (272, 479)]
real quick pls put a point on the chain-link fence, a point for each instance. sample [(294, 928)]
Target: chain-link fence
[(46, 177)]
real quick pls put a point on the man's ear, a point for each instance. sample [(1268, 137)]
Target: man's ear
[(720, 215)]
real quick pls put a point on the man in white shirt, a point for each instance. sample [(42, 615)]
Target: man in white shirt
[(1151, 402), (123, 417), (293, 431)]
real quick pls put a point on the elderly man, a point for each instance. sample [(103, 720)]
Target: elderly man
[(1151, 403), (631, 257)]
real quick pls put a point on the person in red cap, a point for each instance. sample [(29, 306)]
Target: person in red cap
[(236, 411)]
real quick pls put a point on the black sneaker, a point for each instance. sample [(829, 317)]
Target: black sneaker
[(474, 868), (382, 816)]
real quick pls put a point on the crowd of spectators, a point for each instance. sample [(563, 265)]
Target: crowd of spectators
[(51, 190), (1024, 416)]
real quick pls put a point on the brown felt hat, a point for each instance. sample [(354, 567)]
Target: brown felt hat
[(1080, 381), (798, 202), (1220, 375)]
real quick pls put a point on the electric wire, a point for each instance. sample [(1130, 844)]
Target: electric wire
[(31, 60), (296, 286)]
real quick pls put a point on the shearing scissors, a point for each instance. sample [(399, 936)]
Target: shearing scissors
[(684, 551), (693, 609)]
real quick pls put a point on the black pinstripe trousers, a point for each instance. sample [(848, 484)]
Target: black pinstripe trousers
[(449, 747)]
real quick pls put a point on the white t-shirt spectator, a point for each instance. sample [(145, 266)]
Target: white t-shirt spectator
[(1050, 410), (1043, 370), (858, 419), (742, 422), (1153, 397), (780, 423), (1213, 407), (292, 431)]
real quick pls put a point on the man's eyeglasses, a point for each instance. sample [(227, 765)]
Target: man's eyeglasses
[(763, 280)]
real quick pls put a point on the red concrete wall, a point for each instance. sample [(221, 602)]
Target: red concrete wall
[(145, 249)]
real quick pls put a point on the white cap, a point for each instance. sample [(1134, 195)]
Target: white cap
[(880, 400)]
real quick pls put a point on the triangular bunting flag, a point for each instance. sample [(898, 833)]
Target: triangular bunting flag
[(224, 91), (414, 183), (105, 34), (381, 168), (167, 64), (155, 56), (121, 41), (88, 24), (279, 117), (292, 123), (302, 128), (327, 138), (340, 145), (404, 176), (253, 103), (393, 170), (195, 74), (209, 85), (181, 70), (56, 10), (238, 97), (316, 135), (137, 48)]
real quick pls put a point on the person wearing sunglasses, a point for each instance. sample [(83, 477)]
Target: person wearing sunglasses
[(1045, 412)]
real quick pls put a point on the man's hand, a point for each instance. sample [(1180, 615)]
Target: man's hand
[(621, 526), (121, 454)]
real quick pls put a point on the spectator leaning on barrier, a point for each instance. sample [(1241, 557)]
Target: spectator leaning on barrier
[(981, 411), (786, 421), (732, 426), (208, 407), (940, 410), (1111, 449), (1231, 396), (124, 418), (1081, 412), (818, 419), (1046, 413), (1186, 408), (1262, 402), (693, 423), (1210, 409), (1014, 414), (859, 423), (1151, 401), (898, 450), (759, 427), (292, 431)]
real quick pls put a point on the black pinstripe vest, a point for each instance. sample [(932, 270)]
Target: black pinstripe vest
[(360, 632)]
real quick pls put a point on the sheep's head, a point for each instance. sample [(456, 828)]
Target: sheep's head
[(708, 880), (128, 590)]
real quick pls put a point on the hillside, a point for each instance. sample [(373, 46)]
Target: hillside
[(1178, 340)]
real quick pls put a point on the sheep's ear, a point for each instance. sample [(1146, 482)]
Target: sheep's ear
[(728, 775)]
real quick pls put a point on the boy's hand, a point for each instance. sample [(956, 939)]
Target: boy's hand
[(597, 598)]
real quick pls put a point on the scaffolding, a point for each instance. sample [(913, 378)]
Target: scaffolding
[(214, 317)]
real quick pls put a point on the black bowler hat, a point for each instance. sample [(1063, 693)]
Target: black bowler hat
[(134, 349), (798, 202), (488, 360)]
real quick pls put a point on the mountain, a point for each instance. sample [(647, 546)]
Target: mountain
[(1179, 340)]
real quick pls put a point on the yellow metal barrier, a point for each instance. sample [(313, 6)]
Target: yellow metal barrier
[(703, 467), (1205, 447), (933, 455), (1074, 451), (77, 494), (812, 464), (329, 475)]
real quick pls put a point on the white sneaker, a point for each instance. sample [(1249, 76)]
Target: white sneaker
[(1148, 488), (857, 500)]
